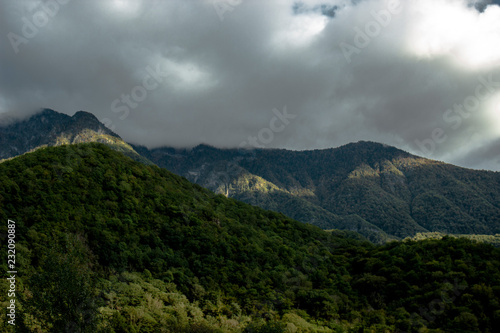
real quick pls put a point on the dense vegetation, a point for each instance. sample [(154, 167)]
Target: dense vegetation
[(106, 244), (379, 191), (490, 239)]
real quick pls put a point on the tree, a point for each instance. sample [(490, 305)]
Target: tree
[(62, 295)]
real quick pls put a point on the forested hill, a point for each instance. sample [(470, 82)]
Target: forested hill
[(106, 244), (377, 190)]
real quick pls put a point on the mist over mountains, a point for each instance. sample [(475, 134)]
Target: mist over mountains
[(376, 190)]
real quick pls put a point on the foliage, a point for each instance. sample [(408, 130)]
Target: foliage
[(376, 190), (490, 239), (111, 245)]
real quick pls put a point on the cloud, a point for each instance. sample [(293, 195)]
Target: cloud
[(180, 73), (481, 5)]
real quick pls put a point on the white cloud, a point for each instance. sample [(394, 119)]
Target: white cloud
[(451, 29), (300, 30)]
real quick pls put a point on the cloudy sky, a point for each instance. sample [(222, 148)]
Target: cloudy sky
[(422, 75)]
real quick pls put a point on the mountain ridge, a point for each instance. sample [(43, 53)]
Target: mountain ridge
[(107, 244), (51, 128), (379, 191)]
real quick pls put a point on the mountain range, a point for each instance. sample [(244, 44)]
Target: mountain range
[(107, 244), (379, 191), (103, 243)]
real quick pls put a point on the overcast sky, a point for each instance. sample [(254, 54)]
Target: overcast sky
[(422, 75)]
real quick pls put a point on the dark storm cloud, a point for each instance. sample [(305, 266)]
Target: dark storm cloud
[(481, 5), (181, 73), (327, 10)]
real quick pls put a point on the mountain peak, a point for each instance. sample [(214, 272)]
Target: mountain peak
[(84, 119), (372, 151), (48, 128), (47, 112), (369, 145), (87, 120), (84, 115)]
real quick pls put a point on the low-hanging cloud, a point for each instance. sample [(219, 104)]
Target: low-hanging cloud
[(180, 73)]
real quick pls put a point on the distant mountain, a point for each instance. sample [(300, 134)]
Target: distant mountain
[(51, 128), (379, 191), (374, 189)]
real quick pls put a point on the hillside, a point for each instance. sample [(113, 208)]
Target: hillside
[(107, 244), (50, 128), (377, 190)]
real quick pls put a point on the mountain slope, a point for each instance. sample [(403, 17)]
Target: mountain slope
[(106, 244), (51, 128), (379, 191), (388, 192)]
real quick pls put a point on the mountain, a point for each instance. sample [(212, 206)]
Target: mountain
[(106, 244), (379, 191), (51, 128)]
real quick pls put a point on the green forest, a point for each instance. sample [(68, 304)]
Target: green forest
[(379, 191), (107, 244)]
